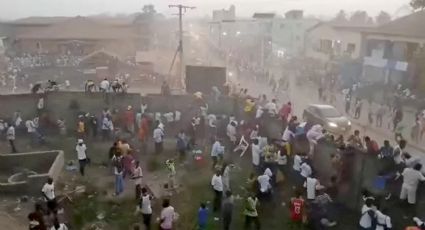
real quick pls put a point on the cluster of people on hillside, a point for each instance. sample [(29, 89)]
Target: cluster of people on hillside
[(26, 61)]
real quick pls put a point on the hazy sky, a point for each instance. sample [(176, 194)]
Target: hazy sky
[(11, 9)]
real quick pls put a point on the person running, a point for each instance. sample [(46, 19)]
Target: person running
[(81, 150), (411, 179), (145, 208), (250, 212), (217, 185)]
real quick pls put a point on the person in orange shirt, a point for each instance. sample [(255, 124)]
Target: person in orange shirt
[(129, 119), (143, 132)]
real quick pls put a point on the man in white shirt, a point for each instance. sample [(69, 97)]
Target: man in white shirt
[(145, 208), (107, 127), (48, 191), (158, 137), (305, 169), (383, 221), (272, 108), (30, 126), (398, 152), (311, 184), (287, 135), (259, 112), (297, 163), (217, 185), (81, 154), (10, 135), (31, 129), (256, 154), (231, 131), (368, 213), (143, 107), (167, 215), (298, 160), (104, 85), (313, 135), (264, 182), (411, 179)]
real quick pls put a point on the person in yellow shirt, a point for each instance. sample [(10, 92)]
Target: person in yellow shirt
[(81, 127), (249, 108), (249, 105)]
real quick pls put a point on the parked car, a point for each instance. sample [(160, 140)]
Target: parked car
[(327, 116)]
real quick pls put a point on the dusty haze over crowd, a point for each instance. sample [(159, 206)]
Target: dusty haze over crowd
[(12, 9)]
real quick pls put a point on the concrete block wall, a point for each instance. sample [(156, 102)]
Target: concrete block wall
[(45, 164)]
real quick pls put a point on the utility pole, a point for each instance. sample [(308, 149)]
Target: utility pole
[(182, 10)]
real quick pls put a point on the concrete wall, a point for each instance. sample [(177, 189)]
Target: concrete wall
[(46, 164), (57, 104)]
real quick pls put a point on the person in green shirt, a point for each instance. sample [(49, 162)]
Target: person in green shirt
[(250, 212)]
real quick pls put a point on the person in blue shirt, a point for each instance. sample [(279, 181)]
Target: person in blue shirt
[(380, 184), (202, 217)]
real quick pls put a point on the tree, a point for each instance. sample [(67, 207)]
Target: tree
[(148, 13), (360, 18), (382, 18), (341, 17), (149, 9), (417, 4)]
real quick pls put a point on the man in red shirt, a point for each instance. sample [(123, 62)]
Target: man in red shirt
[(297, 210)]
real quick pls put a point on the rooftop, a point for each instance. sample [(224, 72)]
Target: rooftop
[(343, 26), (264, 15), (408, 26), (78, 28)]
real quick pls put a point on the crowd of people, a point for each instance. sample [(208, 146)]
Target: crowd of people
[(315, 200)]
